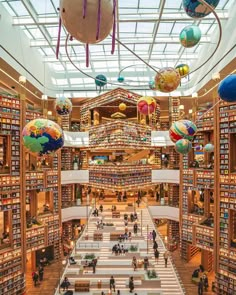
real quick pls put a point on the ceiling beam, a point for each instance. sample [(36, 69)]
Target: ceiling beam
[(166, 17), (127, 40)]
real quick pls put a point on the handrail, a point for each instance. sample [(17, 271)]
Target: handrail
[(172, 264)]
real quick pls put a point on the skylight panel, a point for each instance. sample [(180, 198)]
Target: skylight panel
[(43, 6), (149, 4), (36, 33), (53, 31), (9, 9), (19, 8)]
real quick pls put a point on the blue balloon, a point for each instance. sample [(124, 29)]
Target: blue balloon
[(196, 9), (227, 89)]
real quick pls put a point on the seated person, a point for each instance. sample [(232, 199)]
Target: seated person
[(46, 208), (72, 260), (195, 273), (34, 220)]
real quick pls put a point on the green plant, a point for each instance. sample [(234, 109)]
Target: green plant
[(133, 248), (89, 256), (109, 224), (151, 274)]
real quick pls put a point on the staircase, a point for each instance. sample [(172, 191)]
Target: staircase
[(120, 266)]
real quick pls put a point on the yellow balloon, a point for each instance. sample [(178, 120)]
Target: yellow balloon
[(122, 106)]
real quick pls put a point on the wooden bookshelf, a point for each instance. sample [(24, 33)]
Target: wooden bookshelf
[(11, 262)]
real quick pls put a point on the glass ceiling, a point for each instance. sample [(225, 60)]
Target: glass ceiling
[(143, 26)]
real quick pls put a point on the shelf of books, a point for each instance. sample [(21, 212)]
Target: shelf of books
[(36, 238), (226, 186), (66, 158), (67, 195), (203, 237), (173, 195), (122, 177), (11, 264), (120, 135)]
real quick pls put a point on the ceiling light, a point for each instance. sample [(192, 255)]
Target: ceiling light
[(44, 97), (22, 79), (194, 95)]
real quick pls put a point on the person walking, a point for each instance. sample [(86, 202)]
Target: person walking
[(101, 208), (156, 254), (65, 284), (35, 278), (200, 287), (112, 283), (155, 245), (134, 263), (131, 284), (135, 228), (41, 271), (145, 263), (154, 235), (166, 256), (205, 282)]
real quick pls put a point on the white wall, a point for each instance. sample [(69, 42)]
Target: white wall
[(168, 176), (75, 212), (74, 176), (165, 212), (76, 139)]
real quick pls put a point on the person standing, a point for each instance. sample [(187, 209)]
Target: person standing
[(112, 283), (166, 256), (101, 208), (131, 284), (154, 235), (200, 287), (41, 271)]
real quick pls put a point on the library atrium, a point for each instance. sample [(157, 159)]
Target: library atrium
[(117, 147)]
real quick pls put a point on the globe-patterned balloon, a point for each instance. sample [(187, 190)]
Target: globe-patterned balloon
[(183, 70), (42, 137), (63, 106), (87, 21), (183, 146), (227, 89), (208, 148), (190, 36), (146, 105), (182, 129), (196, 9), (167, 80), (101, 80)]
